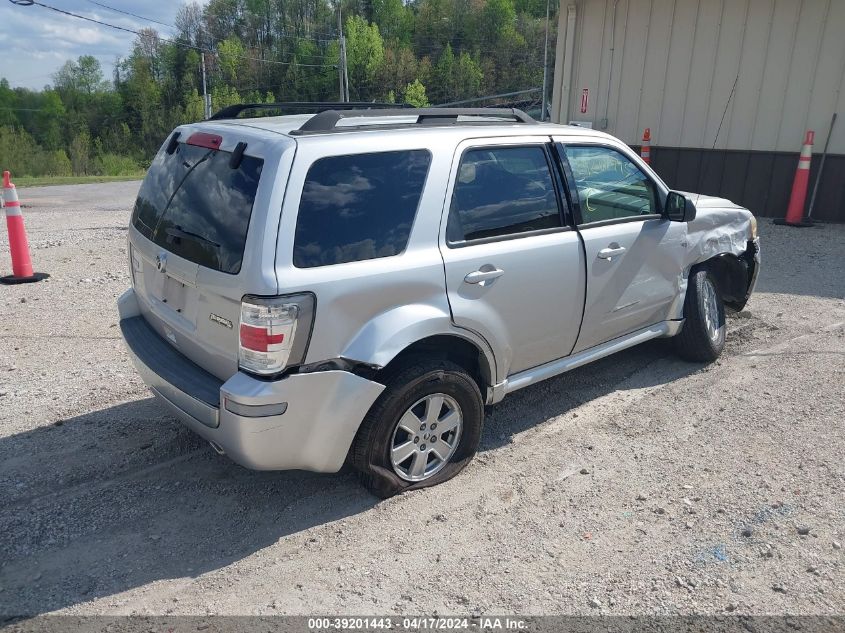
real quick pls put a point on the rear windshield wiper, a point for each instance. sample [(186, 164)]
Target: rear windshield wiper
[(179, 232), (175, 191)]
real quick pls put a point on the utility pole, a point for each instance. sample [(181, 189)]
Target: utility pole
[(206, 101), (545, 64), (345, 68), (342, 77)]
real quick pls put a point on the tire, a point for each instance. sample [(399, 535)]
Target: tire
[(412, 388), (702, 338)]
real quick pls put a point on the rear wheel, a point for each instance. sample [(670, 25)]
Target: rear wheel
[(702, 338), (423, 430)]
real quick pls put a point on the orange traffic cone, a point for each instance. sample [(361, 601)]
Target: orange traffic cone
[(795, 211), (18, 244), (645, 148)]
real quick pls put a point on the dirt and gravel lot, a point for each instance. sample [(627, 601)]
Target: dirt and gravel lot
[(640, 484)]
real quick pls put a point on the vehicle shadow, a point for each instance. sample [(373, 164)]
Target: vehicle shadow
[(117, 498), (647, 365), (124, 496)]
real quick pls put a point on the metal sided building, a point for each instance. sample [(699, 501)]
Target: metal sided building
[(727, 87)]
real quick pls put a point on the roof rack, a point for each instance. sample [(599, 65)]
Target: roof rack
[(232, 111), (327, 121)]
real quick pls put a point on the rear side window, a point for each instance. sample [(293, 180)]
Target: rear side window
[(196, 206), (358, 207), (502, 191)]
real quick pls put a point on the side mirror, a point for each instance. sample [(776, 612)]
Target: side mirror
[(679, 208)]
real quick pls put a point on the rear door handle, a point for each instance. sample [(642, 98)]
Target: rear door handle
[(609, 253), (481, 276)]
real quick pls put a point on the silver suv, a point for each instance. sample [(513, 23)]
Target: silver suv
[(356, 285)]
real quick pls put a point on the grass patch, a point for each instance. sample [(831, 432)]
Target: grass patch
[(45, 181)]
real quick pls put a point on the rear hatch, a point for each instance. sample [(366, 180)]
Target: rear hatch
[(203, 234)]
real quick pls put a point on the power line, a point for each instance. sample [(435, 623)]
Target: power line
[(81, 17), (173, 26), (332, 36), (163, 39), (134, 15), (140, 17)]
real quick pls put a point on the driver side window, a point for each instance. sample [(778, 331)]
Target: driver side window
[(610, 186)]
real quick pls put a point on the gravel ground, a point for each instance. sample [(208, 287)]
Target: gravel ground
[(638, 485)]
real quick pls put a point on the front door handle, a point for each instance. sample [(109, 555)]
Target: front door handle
[(482, 276), (611, 252)]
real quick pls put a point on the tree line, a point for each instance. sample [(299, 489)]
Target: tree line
[(419, 52)]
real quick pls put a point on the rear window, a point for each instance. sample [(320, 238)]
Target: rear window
[(196, 206), (502, 191), (358, 207)]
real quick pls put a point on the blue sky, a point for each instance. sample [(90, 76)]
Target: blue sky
[(35, 42)]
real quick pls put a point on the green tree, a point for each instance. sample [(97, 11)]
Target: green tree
[(444, 76), (263, 50), (399, 69), (194, 106), (498, 19), (534, 8), (80, 154), (394, 19), (90, 75), (117, 139), (49, 119), (434, 24), (364, 55), (415, 95), (142, 95), (84, 75), (8, 104), (467, 78), (230, 53), (223, 96), (57, 163)]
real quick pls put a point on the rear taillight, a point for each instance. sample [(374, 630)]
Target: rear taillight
[(274, 332)]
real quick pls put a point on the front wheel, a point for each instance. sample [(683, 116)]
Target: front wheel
[(702, 338), (423, 430)]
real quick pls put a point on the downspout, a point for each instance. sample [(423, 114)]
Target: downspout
[(568, 62), (545, 65), (605, 123)]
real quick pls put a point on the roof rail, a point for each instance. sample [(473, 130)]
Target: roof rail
[(327, 121), (232, 111)]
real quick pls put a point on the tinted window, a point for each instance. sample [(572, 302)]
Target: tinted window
[(609, 185), (194, 205), (502, 191), (358, 207)]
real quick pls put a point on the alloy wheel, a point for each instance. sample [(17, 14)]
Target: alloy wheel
[(426, 437)]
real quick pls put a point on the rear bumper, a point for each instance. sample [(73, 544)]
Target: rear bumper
[(313, 417)]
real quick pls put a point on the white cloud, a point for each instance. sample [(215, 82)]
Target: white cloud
[(70, 34), (37, 41)]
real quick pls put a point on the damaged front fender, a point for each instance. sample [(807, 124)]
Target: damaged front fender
[(722, 239)]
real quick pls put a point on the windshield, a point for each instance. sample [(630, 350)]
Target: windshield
[(196, 206)]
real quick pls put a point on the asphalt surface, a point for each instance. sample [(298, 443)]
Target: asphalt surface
[(640, 484)]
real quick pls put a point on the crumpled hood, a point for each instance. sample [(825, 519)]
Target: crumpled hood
[(710, 202), (720, 226)]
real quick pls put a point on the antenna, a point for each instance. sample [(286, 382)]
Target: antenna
[(716, 140)]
